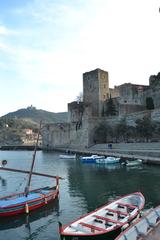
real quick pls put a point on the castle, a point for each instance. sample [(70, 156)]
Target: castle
[(85, 117)]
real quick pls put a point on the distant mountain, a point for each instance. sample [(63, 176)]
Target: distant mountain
[(34, 115)]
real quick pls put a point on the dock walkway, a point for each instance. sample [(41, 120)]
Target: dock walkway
[(149, 153)]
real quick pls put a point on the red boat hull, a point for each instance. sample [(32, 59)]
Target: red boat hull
[(30, 205)]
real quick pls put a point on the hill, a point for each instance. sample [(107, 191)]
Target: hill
[(31, 114), (14, 125)]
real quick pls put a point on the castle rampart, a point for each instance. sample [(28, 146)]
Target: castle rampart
[(87, 116)]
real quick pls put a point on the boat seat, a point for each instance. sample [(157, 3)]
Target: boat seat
[(107, 219), (110, 214), (121, 217), (98, 221), (123, 205), (108, 224), (92, 227), (117, 211)]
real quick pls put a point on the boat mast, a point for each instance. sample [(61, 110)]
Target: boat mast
[(32, 165)]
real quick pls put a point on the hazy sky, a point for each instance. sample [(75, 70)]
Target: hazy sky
[(46, 46)]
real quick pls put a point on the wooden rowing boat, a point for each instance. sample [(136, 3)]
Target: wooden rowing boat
[(33, 218), (20, 203), (105, 222), (144, 228), (28, 200)]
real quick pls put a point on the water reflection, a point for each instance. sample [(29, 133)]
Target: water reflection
[(3, 182), (84, 188), (100, 183)]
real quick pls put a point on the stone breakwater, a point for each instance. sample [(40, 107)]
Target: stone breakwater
[(149, 153)]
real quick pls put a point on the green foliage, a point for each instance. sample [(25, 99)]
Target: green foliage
[(149, 103), (16, 123), (12, 125), (110, 108), (34, 115)]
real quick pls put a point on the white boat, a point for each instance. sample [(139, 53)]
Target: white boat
[(105, 222), (67, 156), (132, 163), (91, 159), (108, 160), (146, 227)]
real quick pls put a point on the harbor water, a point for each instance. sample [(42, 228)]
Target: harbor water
[(84, 188)]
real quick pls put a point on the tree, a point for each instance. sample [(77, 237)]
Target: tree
[(149, 103), (111, 109)]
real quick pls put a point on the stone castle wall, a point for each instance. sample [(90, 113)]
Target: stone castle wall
[(95, 90), (67, 135), (85, 117)]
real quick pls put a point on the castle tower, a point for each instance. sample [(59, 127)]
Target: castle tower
[(95, 90)]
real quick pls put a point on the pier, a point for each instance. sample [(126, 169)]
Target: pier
[(19, 147), (149, 153)]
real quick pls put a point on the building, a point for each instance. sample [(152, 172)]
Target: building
[(87, 116)]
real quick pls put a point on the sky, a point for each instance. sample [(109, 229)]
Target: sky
[(47, 45)]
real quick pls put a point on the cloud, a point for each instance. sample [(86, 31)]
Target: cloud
[(3, 30), (49, 44)]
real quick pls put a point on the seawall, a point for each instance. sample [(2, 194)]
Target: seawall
[(19, 147), (149, 153)]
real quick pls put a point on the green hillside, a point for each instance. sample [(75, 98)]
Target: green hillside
[(34, 115), (13, 125)]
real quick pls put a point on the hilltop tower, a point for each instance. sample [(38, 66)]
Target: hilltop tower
[(95, 91)]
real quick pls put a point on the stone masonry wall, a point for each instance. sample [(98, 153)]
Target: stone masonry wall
[(67, 135)]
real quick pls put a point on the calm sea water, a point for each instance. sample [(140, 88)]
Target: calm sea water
[(84, 188)]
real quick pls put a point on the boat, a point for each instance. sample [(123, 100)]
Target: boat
[(108, 160), (143, 228), (33, 218), (91, 159), (67, 156), (105, 222), (28, 200), (132, 163)]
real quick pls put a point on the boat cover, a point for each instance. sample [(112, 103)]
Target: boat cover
[(18, 200)]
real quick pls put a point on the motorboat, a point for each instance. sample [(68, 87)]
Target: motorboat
[(67, 156), (132, 163), (91, 159), (108, 160)]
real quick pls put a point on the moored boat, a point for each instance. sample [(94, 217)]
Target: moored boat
[(143, 228), (108, 160), (28, 200), (67, 156), (105, 222), (91, 159), (22, 203), (132, 163)]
